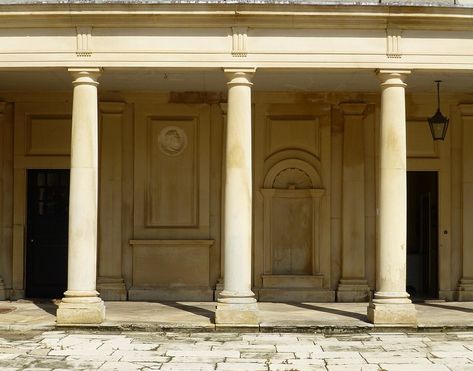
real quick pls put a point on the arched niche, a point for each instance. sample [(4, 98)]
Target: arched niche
[(291, 169), (292, 193)]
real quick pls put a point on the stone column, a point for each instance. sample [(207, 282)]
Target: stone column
[(81, 304), (353, 285), (465, 288), (236, 303), (391, 304)]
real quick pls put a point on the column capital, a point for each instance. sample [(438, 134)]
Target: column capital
[(239, 76), (393, 77), (85, 76), (353, 108)]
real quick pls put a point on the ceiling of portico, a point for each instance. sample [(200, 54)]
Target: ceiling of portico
[(214, 80)]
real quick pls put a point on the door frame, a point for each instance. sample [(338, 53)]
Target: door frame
[(432, 247), (24, 160), (30, 262), (441, 164)]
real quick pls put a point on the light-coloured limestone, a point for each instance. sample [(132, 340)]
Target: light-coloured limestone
[(110, 282), (294, 123), (465, 288), (189, 359), (236, 313), (3, 170), (391, 304), (236, 303), (353, 285), (81, 304), (241, 366)]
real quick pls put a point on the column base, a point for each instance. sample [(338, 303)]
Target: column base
[(237, 314), (80, 311), (353, 290), (392, 314), (465, 289), (112, 288)]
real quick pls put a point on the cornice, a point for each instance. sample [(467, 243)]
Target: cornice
[(241, 15)]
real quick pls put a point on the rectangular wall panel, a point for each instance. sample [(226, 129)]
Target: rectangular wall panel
[(172, 172), (293, 132), (419, 140), (48, 135)]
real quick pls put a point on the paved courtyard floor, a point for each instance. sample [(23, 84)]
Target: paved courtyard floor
[(79, 350), (279, 317)]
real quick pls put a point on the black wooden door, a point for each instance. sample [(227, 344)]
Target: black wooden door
[(47, 224), (422, 234)]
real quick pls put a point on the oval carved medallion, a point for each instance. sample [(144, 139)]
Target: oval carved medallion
[(172, 140)]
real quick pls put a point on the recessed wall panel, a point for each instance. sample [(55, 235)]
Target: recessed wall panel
[(419, 140), (172, 172), (48, 135), (293, 133)]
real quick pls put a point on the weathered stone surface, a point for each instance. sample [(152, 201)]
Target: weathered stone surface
[(236, 314), (80, 313), (392, 314), (82, 351)]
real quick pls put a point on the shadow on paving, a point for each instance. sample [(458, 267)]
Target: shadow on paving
[(48, 305), (191, 309), (448, 307), (338, 312)]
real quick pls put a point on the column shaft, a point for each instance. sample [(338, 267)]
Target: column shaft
[(236, 303), (81, 303), (391, 304)]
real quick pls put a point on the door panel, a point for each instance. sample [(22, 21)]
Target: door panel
[(47, 233), (422, 234)]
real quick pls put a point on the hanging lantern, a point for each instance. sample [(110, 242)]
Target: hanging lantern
[(438, 123)]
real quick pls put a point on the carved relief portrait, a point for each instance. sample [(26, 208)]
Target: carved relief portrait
[(172, 140)]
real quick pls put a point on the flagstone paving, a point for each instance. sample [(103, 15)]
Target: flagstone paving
[(91, 350), (284, 317)]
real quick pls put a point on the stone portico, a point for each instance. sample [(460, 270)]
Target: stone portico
[(223, 153)]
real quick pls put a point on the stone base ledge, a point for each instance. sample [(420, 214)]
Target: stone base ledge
[(350, 291), (285, 295), (3, 292), (218, 289), (76, 312), (387, 314), (171, 294), (276, 281), (464, 295), (16, 294), (448, 295), (465, 289), (237, 314), (112, 289)]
